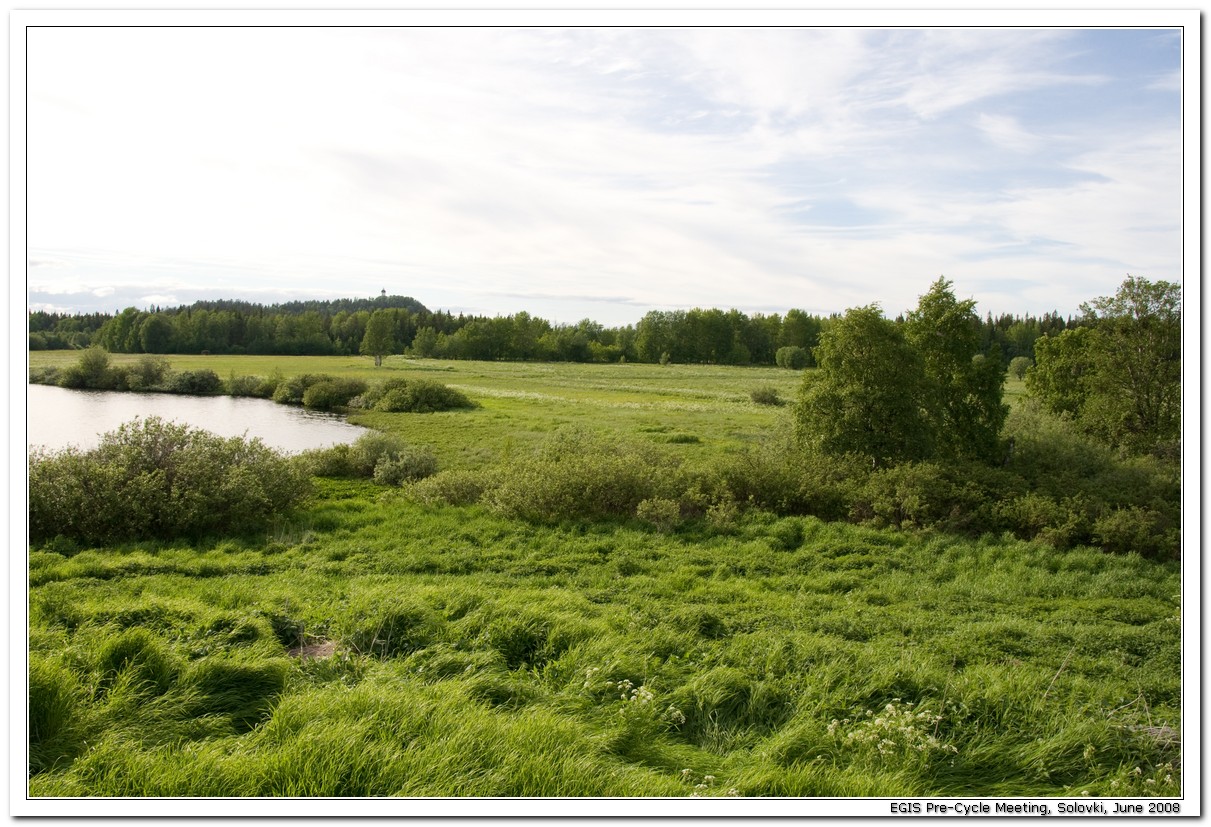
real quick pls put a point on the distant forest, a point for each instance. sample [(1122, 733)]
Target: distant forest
[(339, 327)]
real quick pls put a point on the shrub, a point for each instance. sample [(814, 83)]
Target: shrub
[(148, 373), (421, 396), (407, 465), (47, 375), (1145, 531), (792, 357), (663, 513), (198, 382), (371, 448), (155, 479), (454, 487), (913, 494), (291, 391), (766, 395), (333, 461), (244, 385), (92, 371), (581, 474), (332, 394)]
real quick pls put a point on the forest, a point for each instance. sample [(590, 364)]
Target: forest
[(405, 326)]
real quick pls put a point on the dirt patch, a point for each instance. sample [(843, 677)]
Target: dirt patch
[(323, 649)]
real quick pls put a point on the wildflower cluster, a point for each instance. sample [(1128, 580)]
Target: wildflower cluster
[(704, 785), (897, 729), (635, 701), (1163, 780)]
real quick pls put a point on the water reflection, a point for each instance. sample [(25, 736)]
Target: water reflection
[(58, 417)]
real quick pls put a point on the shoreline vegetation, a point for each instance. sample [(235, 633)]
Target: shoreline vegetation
[(620, 579)]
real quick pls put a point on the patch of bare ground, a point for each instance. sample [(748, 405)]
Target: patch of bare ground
[(320, 649)]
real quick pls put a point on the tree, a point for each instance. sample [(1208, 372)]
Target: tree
[(380, 336), (1018, 366), (155, 334), (1120, 379), (964, 388), (867, 396)]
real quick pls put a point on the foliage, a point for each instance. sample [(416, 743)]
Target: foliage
[(148, 373), (92, 371), (407, 465), (332, 394), (792, 357), (151, 478), (897, 393), (422, 396), (765, 395), (378, 340), (290, 391), (868, 395), (1018, 366), (201, 382), (1120, 375), (662, 513), (962, 385), (578, 474)]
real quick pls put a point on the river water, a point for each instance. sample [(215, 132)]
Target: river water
[(58, 417)]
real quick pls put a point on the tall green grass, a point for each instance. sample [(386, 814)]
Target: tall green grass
[(479, 655)]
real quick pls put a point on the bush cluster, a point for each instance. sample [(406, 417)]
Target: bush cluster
[(1057, 486), (319, 391), (385, 458), (792, 357), (401, 395), (156, 479), (95, 371)]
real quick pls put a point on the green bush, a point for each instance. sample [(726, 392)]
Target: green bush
[(408, 465), (766, 395), (93, 371), (662, 513), (332, 394), (291, 391), (155, 479), (421, 396), (578, 474), (453, 487), (792, 357), (48, 375), (244, 385), (147, 374), (334, 461), (197, 382), (1145, 531)]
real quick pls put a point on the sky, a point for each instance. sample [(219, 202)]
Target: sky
[(601, 172)]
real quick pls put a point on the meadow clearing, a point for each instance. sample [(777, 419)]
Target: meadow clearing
[(383, 641)]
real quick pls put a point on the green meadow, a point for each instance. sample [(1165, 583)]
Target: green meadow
[(660, 633)]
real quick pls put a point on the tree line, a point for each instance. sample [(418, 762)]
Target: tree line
[(405, 326)]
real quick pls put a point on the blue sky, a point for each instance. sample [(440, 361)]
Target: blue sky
[(602, 172)]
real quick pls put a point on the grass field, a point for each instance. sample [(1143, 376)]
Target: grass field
[(460, 653), (699, 409)]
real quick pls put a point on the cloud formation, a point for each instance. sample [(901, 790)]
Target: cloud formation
[(601, 172)]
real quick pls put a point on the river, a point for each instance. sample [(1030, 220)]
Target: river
[(58, 417)]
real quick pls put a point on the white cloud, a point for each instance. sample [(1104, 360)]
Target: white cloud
[(664, 166), (1005, 131)]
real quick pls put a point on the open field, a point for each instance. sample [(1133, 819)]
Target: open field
[(697, 409), (458, 652)]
